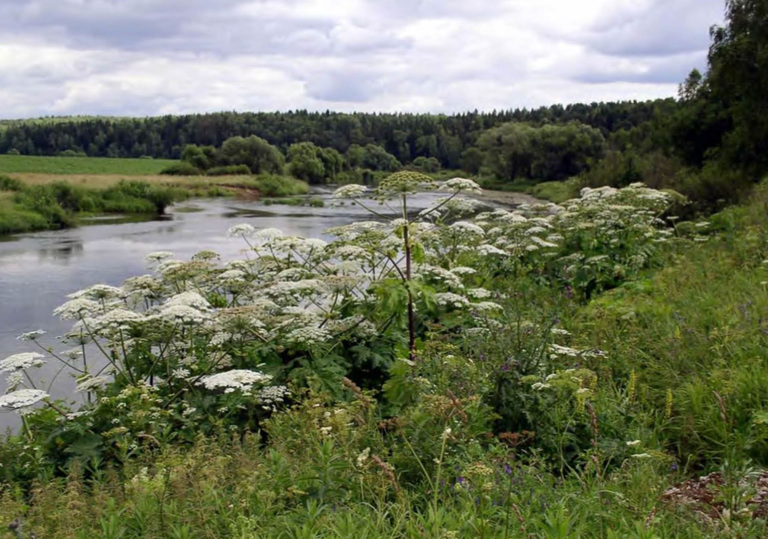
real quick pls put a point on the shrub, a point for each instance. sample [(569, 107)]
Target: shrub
[(280, 186), (229, 170), (10, 184), (181, 169)]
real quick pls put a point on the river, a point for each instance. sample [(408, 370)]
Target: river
[(38, 270)]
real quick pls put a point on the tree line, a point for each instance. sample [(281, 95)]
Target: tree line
[(711, 143), (405, 136)]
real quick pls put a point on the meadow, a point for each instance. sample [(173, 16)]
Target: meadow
[(590, 369), (27, 164)]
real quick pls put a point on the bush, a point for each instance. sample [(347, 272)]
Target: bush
[(280, 186), (229, 170), (10, 184), (181, 169)]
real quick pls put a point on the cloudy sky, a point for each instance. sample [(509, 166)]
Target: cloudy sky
[(149, 57)]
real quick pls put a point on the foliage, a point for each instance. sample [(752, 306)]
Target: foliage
[(313, 164), (254, 152), (270, 185), (229, 170), (550, 152), (57, 205), (182, 169), (371, 157)]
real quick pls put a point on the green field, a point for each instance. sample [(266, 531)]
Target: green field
[(11, 164)]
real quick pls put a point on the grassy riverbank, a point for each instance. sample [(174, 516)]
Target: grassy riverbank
[(589, 411), (40, 193)]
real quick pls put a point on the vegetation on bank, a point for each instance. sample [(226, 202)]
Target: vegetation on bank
[(32, 202), (26, 208), (551, 371)]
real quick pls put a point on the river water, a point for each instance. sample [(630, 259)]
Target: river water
[(38, 270)]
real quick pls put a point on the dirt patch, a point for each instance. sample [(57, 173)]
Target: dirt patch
[(706, 495)]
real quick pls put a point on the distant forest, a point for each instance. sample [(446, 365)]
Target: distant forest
[(405, 136), (710, 144)]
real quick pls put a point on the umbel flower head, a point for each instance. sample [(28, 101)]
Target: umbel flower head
[(350, 191), (460, 184), (22, 361), (21, 398), (403, 182)]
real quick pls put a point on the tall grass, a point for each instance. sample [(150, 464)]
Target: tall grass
[(58, 204)]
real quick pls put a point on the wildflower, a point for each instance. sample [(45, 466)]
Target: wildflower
[(116, 318), (469, 228), (449, 299), (350, 191), (77, 308), (30, 335), (642, 456), (633, 443), (463, 270), (325, 431), (268, 234), (270, 397), (460, 184), (21, 398), (243, 230), (446, 433), (235, 379), (403, 182), (89, 383), (183, 313), (486, 306), (363, 457), (538, 386), (24, 360), (188, 299), (558, 350), (157, 256), (180, 372), (487, 250)]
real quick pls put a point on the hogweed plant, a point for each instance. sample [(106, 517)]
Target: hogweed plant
[(210, 346)]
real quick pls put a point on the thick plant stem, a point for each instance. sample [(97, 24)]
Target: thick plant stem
[(411, 317)]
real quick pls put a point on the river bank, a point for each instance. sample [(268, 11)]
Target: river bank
[(34, 202)]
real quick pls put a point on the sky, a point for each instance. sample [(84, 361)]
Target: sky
[(154, 57)]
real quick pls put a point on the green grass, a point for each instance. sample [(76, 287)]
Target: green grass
[(81, 165), (556, 192), (27, 208)]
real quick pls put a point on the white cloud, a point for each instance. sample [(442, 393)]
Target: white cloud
[(143, 57)]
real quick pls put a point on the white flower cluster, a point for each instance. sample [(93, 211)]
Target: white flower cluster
[(236, 379), (21, 398), (272, 396), (350, 191), (19, 362), (461, 184)]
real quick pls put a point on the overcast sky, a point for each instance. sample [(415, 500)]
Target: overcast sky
[(150, 57)]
